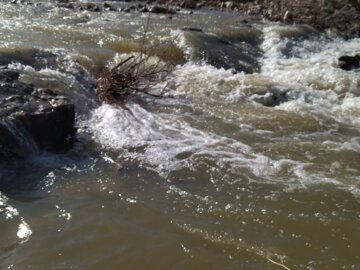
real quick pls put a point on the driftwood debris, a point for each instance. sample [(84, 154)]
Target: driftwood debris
[(133, 76)]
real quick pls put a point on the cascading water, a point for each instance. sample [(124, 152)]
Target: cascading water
[(23, 137)]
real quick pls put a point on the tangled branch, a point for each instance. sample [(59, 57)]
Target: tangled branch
[(133, 76)]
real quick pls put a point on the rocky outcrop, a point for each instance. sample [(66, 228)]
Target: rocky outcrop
[(32, 120)]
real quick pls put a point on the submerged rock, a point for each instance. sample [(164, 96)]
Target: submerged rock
[(222, 52), (271, 98), (188, 4), (109, 7), (66, 5), (348, 62), (32, 119), (90, 7), (157, 9)]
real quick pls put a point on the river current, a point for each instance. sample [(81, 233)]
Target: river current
[(230, 170)]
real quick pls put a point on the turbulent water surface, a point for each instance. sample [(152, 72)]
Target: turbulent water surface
[(231, 170)]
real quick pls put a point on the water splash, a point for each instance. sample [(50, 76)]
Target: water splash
[(11, 214), (24, 232)]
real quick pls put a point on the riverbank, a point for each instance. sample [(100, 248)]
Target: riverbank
[(343, 16)]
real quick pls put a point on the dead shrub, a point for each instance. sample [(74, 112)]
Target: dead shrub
[(133, 76)]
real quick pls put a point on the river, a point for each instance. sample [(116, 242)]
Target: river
[(230, 170)]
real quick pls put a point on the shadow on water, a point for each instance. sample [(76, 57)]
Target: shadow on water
[(32, 177), (24, 179)]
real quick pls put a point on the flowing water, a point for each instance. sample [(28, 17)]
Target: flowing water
[(209, 177)]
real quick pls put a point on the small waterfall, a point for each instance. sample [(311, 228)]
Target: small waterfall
[(22, 135)]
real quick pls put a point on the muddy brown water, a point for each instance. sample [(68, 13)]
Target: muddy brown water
[(207, 178)]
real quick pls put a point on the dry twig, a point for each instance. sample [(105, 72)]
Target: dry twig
[(279, 264)]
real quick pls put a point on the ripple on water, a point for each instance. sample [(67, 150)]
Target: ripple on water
[(14, 231)]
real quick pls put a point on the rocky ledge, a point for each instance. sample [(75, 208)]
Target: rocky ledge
[(31, 119)]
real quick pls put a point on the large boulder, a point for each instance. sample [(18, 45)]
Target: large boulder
[(32, 120)]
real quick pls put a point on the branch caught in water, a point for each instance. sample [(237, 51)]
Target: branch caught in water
[(131, 77)]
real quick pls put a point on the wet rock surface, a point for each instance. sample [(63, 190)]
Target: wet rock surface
[(32, 119)]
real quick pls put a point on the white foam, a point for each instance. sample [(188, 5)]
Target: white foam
[(349, 110), (167, 140), (120, 128), (312, 75), (24, 232), (162, 137)]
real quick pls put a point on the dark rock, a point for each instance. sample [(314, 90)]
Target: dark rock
[(8, 75), (66, 5), (227, 5), (348, 62), (32, 57), (90, 7), (109, 7), (161, 10), (200, 4), (143, 9), (272, 98), (191, 4), (191, 29), (31, 119), (160, 2), (288, 17)]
